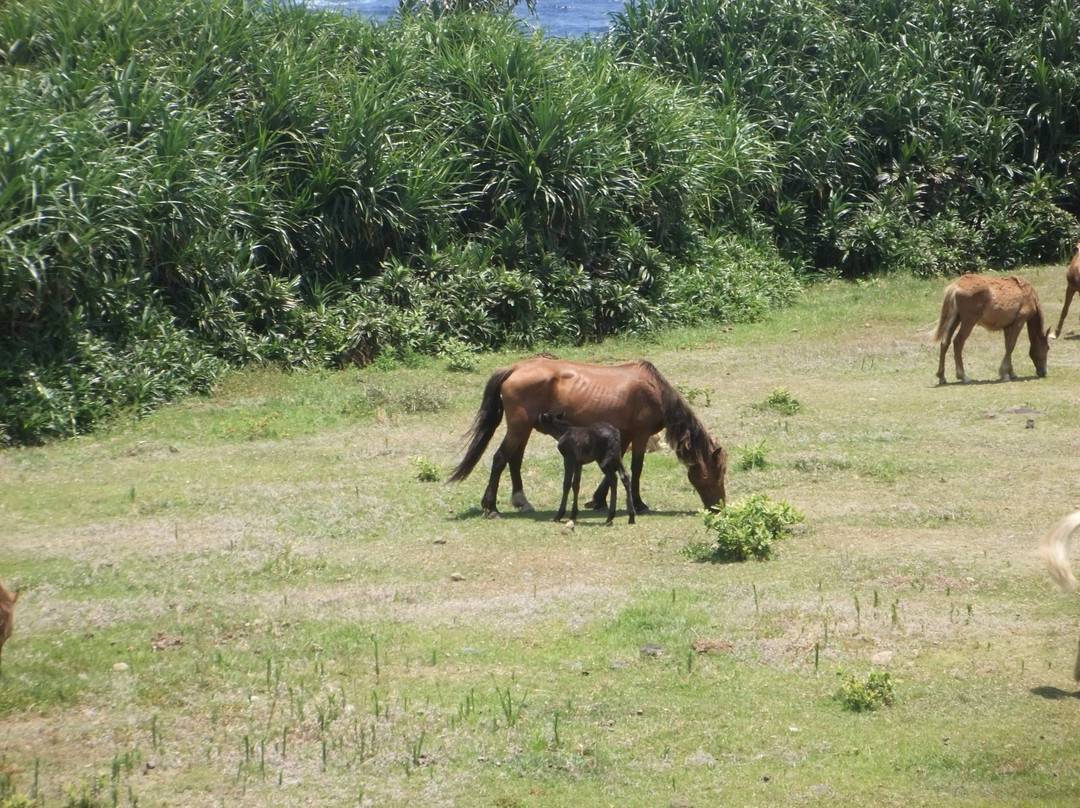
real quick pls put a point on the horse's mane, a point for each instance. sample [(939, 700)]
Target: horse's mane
[(684, 432)]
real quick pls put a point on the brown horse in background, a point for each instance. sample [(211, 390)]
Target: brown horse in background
[(1055, 551), (7, 614), (634, 398), (997, 304), (1072, 286)]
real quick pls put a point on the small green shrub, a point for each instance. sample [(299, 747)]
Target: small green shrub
[(460, 357), (426, 471), (752, 457), (744, 530), (781, 401), (862, 696)]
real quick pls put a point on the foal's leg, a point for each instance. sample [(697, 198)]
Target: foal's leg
[(1012, 333), (613, 483), (577, 485), (567, 482)]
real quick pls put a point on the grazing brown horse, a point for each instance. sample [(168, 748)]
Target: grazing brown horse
[(7, 614), (997, 304), (598, 443), (1072, 286), (1055, 551), (634, 398)]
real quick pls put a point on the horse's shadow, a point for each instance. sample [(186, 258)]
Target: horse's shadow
[(586, 518), (1053, 693), (977, 382)]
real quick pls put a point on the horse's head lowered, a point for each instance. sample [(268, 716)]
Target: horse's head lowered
[(707, 477)]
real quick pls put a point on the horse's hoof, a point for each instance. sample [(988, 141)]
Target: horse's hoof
[(493, 515), (941, 382)]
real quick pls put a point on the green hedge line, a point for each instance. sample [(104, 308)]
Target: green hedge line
[(187, 185)]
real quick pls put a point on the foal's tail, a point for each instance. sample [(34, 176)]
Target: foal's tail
[(949, 314), (1055, 550), (487, 420)]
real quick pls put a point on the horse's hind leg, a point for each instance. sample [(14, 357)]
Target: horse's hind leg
[(488, 501), (517, 498), (510, 453), (958, 348), (946, 340)]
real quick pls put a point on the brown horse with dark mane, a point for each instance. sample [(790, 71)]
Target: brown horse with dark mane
[(997, 304), (634, 398), (1072, 286)]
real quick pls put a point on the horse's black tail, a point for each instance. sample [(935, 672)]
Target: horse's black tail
[(487, 420)]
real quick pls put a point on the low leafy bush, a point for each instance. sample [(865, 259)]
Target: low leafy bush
[(781, 401), (752, 457), (865, 695), (426, 470), (745, 530)]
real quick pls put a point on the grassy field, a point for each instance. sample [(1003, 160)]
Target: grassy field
[(252, 599)]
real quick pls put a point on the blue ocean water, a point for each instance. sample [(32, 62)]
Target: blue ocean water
[(553, 17)]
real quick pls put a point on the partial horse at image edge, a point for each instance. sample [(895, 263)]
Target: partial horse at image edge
[(7, 615), (633, 397), (1072, 286), (997, 304), (1054, 549)]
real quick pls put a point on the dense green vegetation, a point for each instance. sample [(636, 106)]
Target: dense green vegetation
[(191, 184), (922, 135)]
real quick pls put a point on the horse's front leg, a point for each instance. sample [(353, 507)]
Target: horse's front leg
[(630, 507), (637, 462), (1012, 333), (1069, 292)]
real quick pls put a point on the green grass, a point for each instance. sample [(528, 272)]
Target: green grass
[(213, 617)]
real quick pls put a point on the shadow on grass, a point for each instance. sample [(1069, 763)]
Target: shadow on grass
[(1054, 693), (977, 382), (539, 515)]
